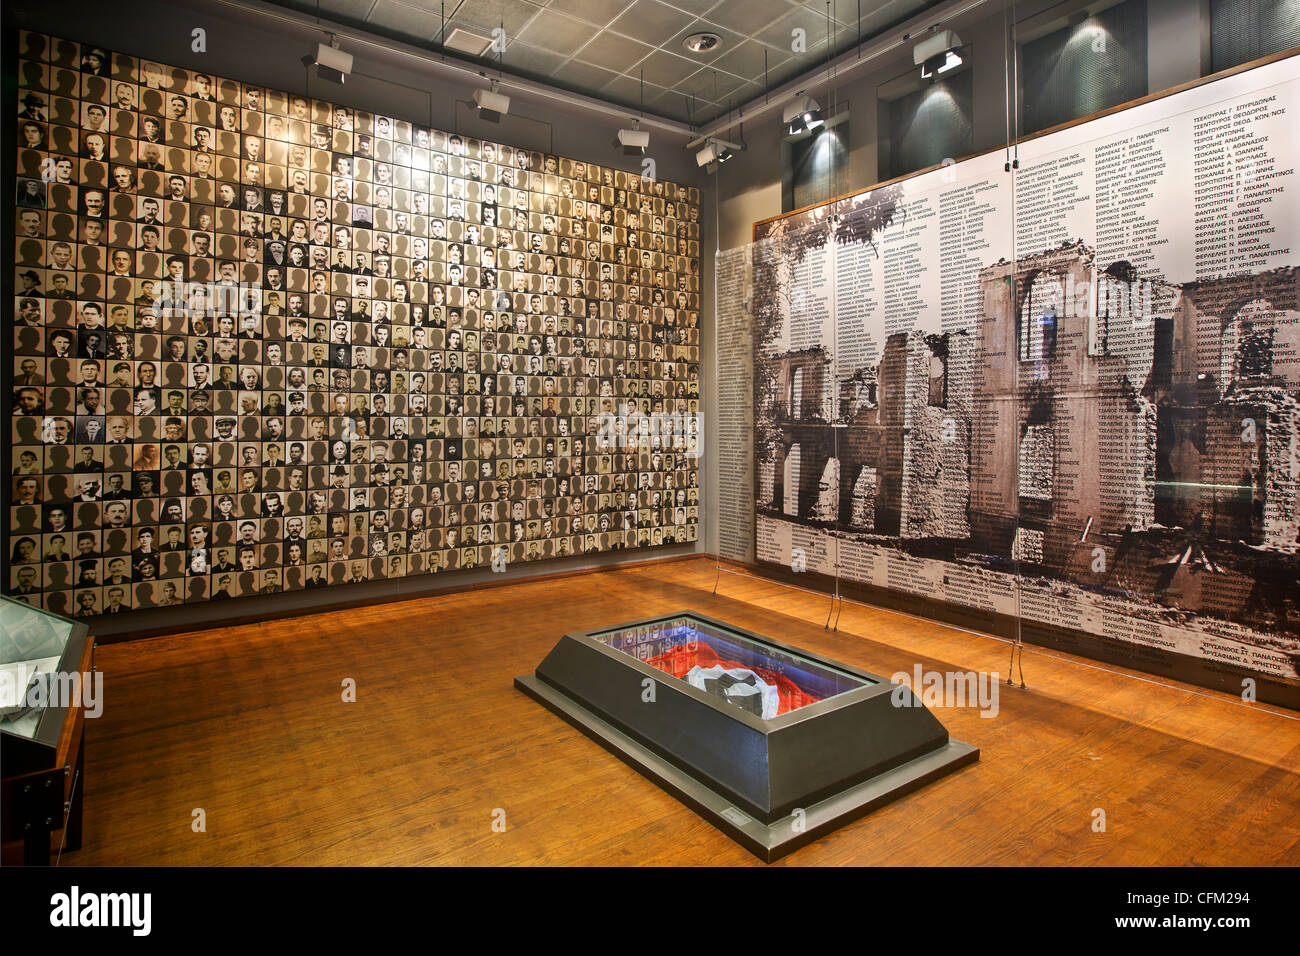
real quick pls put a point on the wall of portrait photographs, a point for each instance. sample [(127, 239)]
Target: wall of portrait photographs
[(264, 343)]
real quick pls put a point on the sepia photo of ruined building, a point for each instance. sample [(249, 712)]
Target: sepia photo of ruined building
[(1130, 436)]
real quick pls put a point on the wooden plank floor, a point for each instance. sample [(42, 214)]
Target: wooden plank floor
[(249, 725)]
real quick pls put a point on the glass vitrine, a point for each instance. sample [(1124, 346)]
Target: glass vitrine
[(755, 675), (35, 647), (773, 744), (45, 664)]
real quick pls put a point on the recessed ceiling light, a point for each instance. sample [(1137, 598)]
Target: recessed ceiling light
[(702, 42), (463, 41)]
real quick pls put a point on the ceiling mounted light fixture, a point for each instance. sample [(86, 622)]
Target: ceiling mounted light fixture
[(716, 151), (803, 114), (491, 104), (331, 63), (702, 42), (711, 153), (634, 141), (938, 54)]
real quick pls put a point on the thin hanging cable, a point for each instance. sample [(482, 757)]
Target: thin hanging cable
[(837, 189), (829, 51), (833, 265), (1013, 109), (1015, 642), (833, 190), (1015, 66), (830, 170), (828, 47), (717, 252), (1006, 81)]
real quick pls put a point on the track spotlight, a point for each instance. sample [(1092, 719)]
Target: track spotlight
[(714, 151), (332, 63), (938, 54), (634, 141), (491, 104), (803, 114)]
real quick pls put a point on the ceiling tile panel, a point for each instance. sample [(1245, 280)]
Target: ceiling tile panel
[(584, 77), (696, 7), (746, 60), (613, 52), (599, 12), (666, 69), (710, 85), (649, 21), (627, 89), (555, 31), (525, 57), (400, 18), (746, 16), (788, 70), (780, 33), (482, 16), (845, 12)]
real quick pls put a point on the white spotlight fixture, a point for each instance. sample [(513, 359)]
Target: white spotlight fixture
[(491, 104), (938, 54), (715, 151), (331, 62), (802, 114), (634, 141)]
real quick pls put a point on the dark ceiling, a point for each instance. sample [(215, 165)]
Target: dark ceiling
[(603, 48)]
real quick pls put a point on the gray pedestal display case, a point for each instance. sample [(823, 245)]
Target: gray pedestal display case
[(773, 745)]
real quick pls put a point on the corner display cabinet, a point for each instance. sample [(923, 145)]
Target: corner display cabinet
[(773, 745), (45, 662)]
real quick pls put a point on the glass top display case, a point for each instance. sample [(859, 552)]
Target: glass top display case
[(45, 663), (753, 674), (775, 745), (35, 647)]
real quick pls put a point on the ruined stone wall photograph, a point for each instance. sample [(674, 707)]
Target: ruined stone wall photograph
[(1106, 443)]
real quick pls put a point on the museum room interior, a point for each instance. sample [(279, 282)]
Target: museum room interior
[(834, 433)]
